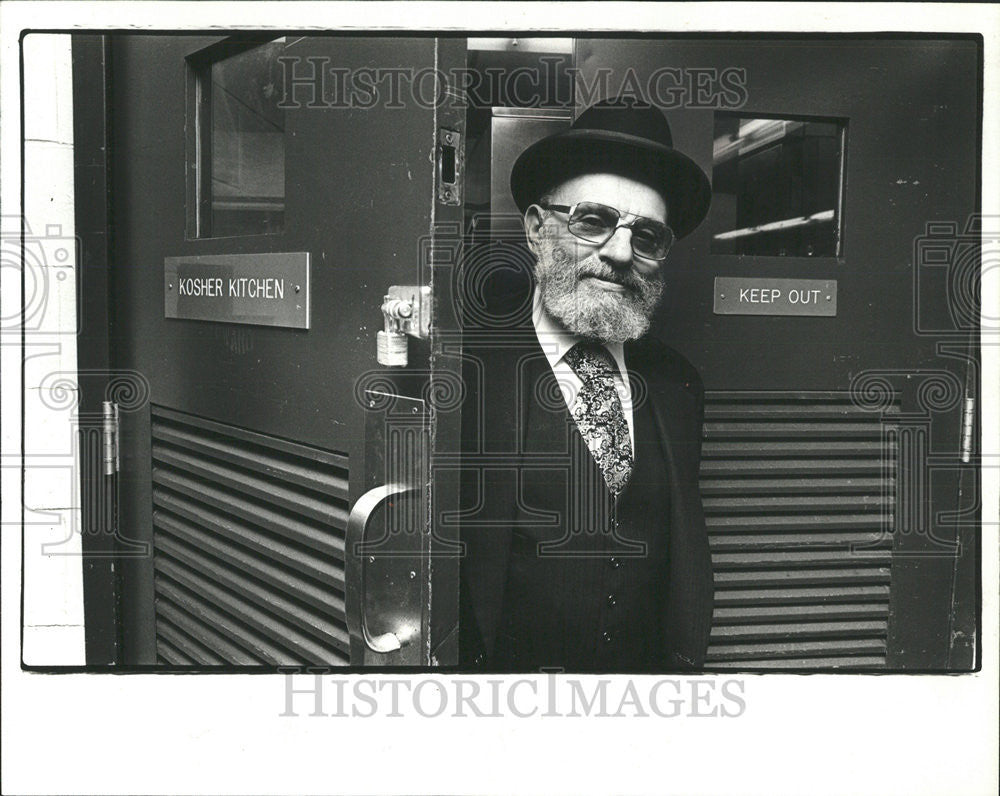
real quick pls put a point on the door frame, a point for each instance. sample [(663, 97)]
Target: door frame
[(94, 355)]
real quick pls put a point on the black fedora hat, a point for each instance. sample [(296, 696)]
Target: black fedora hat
[(622, 136)]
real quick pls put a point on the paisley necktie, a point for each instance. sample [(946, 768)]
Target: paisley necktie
[(598, 413)]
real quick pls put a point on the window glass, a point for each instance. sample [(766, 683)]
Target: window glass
[(246, 130), (776, 186)]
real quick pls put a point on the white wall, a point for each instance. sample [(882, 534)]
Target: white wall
[(53, 572)]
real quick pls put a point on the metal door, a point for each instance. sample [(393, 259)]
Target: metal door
[(250, 453), (833, 459)]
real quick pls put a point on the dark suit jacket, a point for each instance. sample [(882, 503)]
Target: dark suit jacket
[(504, 372)]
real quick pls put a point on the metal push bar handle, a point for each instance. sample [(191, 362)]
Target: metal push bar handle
[(357, 530)]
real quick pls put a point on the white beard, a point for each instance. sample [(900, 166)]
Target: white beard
[(586, 309)]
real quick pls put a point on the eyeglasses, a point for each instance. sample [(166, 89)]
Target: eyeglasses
[(597, 223)]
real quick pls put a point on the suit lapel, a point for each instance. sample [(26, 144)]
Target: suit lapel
[(668, 401), (511, 393), (687, 613)]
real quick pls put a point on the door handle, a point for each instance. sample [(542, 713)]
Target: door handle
[(356, 560)]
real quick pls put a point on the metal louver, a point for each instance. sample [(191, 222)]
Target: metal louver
[(248, 534), (799, 492)]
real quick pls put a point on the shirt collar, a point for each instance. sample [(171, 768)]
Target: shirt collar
[(556, 341)]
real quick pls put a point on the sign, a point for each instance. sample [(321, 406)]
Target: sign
[(259, 289), (761, 296)]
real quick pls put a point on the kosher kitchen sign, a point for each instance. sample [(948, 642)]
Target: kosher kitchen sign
[(761, 296), (270, 289)]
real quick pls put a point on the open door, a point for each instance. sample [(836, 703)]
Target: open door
[(274, 478)]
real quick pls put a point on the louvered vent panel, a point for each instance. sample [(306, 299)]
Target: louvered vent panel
[(799, 491), (248, 534)]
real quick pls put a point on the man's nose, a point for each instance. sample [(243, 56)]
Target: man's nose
[(617, 250)]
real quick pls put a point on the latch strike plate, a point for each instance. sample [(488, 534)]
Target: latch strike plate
[(450, 171)]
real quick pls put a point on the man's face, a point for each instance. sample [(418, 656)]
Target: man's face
[(601, 292)]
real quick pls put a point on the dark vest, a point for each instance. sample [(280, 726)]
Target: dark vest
[(586, 574)]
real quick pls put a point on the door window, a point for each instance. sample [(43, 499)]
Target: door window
[(240, 143), (777, 186)]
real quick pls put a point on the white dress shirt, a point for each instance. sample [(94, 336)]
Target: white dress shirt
[(556, 341)]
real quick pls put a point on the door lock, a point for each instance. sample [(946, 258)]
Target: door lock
[(406, 310)]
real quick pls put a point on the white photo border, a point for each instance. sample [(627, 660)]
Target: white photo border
[(885, 734)]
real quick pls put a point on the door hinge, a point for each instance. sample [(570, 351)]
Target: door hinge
[(109, 438), (968, 421)]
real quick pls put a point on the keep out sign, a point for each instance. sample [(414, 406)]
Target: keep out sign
[(758, 296)]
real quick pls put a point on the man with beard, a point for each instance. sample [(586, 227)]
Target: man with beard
[(585, 543)]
